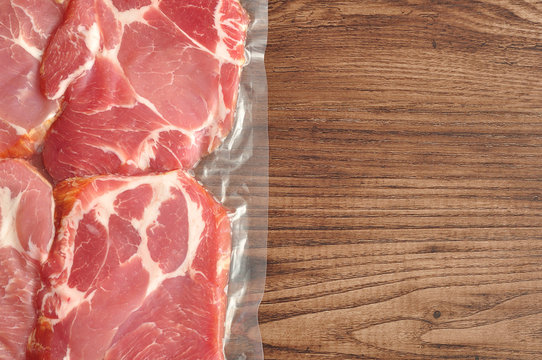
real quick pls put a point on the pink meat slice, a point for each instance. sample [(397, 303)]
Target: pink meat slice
[(25, 113), (26, 235), (148, 85), (138, 270)]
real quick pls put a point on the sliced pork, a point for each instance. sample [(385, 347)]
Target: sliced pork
[(148, 85), (138, 270), (25, 113), (26, 235)]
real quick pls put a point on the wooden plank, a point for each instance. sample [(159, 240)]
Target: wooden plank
[(405, 180)]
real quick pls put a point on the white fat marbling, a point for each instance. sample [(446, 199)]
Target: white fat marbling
[(8, 229)]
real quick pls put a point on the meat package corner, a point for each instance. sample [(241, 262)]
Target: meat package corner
[(110, 248)]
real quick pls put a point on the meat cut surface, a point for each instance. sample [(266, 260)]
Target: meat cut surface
[(138, 270), (148, 85), (26, 235), (25, 113)]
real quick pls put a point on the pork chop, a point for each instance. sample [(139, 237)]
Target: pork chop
[(138, 270), (148, 85), (26, 235), (25, 113)]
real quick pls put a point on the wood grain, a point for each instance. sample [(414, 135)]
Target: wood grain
[(405, 180)]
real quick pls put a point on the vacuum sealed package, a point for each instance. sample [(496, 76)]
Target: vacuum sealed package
[(133, 179)]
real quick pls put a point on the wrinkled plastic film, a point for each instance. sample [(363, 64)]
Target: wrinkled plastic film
[(237, 174)]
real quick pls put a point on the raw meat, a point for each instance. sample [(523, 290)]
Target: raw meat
[(26, 235), (149, 85), (138, 270), (25, 113)]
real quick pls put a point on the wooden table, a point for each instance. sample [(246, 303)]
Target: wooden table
[(405, 180)]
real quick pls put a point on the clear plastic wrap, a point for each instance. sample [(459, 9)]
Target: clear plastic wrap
[(237, 174)]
